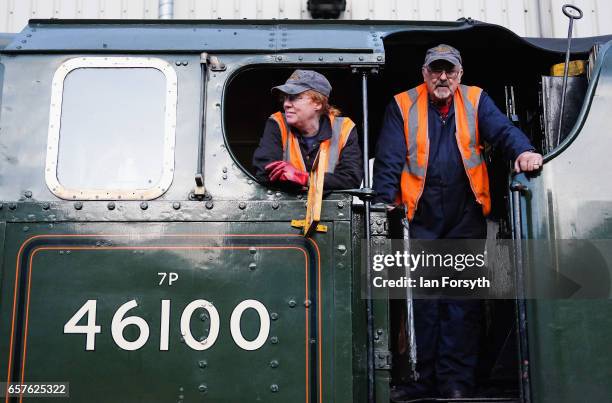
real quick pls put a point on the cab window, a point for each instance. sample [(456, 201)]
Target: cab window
[(111, 130)]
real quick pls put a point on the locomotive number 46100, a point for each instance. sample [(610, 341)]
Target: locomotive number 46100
[(120, 321)]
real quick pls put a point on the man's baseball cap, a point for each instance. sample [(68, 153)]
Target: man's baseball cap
[(443, 52), (304, 80)]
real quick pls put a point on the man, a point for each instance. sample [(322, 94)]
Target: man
[(429, 158), (292, 140)]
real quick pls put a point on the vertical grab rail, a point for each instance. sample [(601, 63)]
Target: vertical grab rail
[(200, 190), (366, 202), (525, 393)]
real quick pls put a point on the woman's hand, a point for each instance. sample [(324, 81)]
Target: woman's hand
[(283, 171)]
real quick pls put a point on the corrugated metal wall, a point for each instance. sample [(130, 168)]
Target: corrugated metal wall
[(525, 17)]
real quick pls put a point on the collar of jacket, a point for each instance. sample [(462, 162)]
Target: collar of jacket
[(451, 108)]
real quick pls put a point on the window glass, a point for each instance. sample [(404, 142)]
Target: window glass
[(112, 129)]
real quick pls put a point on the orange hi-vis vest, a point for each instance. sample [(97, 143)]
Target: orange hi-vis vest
[(413, 105), (341, 128)]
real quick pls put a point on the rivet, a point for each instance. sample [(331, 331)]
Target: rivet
[(278, 194), (178, 62), (78, 205), (274, 316), (379, 331), (341, 249), (279, 58), (176, 205), (252, 250), (292, 303), (274, 388), (224, 176), (341, 58), (224, 169), (185, 63), (300, 58), (379, 58), (250, 181), (18, 47), (111, 205), (144, 205), (321, 59), (274, 340), (12, 206), (45, 206), (270, 192), (340, 204), (1, 206), (361, 58), (376, 337), (274, 364), (209, 205), (202, 364), (242, 205), (27, 194), (307, 303), (275, 205), (252, 266), (202, 388)]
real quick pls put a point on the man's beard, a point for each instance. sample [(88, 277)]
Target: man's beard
[(441, 99)]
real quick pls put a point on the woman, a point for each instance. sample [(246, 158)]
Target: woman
[(293, 139)]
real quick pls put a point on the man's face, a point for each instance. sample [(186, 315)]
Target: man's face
[(442, 79)]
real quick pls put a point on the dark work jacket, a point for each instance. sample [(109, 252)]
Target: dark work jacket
[(447, 207), (348, 171)]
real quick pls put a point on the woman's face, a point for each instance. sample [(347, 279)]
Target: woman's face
[(300, 109)]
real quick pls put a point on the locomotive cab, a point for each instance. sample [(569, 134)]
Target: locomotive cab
[(139, 248), (516, 73)]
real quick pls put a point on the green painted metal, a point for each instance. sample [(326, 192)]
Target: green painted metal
[(572, 199), (87, 251), (307, 353)]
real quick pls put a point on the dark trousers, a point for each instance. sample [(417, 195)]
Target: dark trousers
[(448, 330), (447, 338)]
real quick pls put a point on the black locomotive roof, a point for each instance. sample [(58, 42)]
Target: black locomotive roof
[(261, 36)]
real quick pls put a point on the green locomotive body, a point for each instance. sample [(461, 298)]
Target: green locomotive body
[(142, 261)]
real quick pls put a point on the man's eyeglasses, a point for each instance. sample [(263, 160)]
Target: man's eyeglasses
[(436, 72)]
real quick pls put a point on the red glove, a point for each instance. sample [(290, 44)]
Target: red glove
[(283, 171)]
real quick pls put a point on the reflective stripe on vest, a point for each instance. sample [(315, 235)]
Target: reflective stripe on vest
[(341, 128), (413, 105)]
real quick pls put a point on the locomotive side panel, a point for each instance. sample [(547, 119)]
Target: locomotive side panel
[(160, 311)]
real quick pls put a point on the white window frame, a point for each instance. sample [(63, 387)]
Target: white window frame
[(55, 114)]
